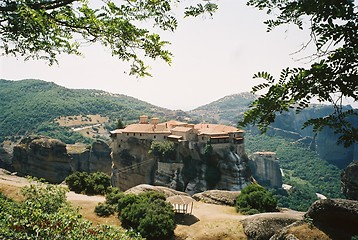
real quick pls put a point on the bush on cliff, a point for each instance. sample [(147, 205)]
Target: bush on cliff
[(88, 183), (148, 214), (254, 199), (163, 150)]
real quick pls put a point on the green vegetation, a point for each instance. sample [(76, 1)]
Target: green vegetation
[(303, 169), (119, 124), (148, 214), (332, 75), (88, 183), (255, 199), (65, 134), (45, 29), (301, 162), (45, 214), (226, 110), (299, 198), (30, 107), (163, 150), (104, 210)]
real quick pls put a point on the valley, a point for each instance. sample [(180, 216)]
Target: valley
[(82, 120)]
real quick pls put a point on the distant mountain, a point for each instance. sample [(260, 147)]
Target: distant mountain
[(30, 106), (226, 110), (229, 110)]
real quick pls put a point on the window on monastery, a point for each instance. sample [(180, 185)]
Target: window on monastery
[(119, 145), (127, 134), (155, 137), (202, 138), (133, 134), (140, 134)]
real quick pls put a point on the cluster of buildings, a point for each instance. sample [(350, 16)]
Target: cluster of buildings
[(179, 132)]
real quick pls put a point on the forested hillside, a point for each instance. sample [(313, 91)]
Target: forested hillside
[(227, 110), (302, 169), (30, 106)]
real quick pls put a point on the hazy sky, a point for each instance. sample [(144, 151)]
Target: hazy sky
[(213, 57)]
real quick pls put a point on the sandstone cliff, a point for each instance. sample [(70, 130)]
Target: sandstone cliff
[(349, 181), (190, 171), (133, 165), (52, 160), (94, 158), (43, 158), (266, 169)]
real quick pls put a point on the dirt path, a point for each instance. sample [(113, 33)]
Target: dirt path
[(211, 222)]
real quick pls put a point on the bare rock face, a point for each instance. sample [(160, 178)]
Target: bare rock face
[(264, 226), (328, 149), (190, 171), (296, 230), (42, 157), (168, 192), (220, 197), (100, 158), (53, 160), (266, 169), (6, 153), (349, 181), (133, 165), (337, 217), (94, 158)]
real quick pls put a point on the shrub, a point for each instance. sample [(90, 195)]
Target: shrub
[(97, 183), (113, 196), (255, 197), (35, 219), (88, 183), (104, 210), (147, 213), (163, 150), (77, 181)]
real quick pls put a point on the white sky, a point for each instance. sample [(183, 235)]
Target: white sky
[(212, 58)]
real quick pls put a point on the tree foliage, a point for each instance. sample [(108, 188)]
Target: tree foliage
[(30, 107), (147, 213), (163, 150), (88, 183), (45, 214), (254, 198), (300, 162), (44, 29), (331, 77)]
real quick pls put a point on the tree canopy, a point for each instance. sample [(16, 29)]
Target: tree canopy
[(332, 76), (43, 29)]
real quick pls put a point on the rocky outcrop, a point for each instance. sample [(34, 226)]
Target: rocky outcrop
[(264, 226), (42, 157), (349, 181), (266, 169), (53, 160), (328, 149), (94, 158), (337, 217), (6, 153), (219, 197), (191, 170), (168, 192), (296, 230), (133, 165)]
